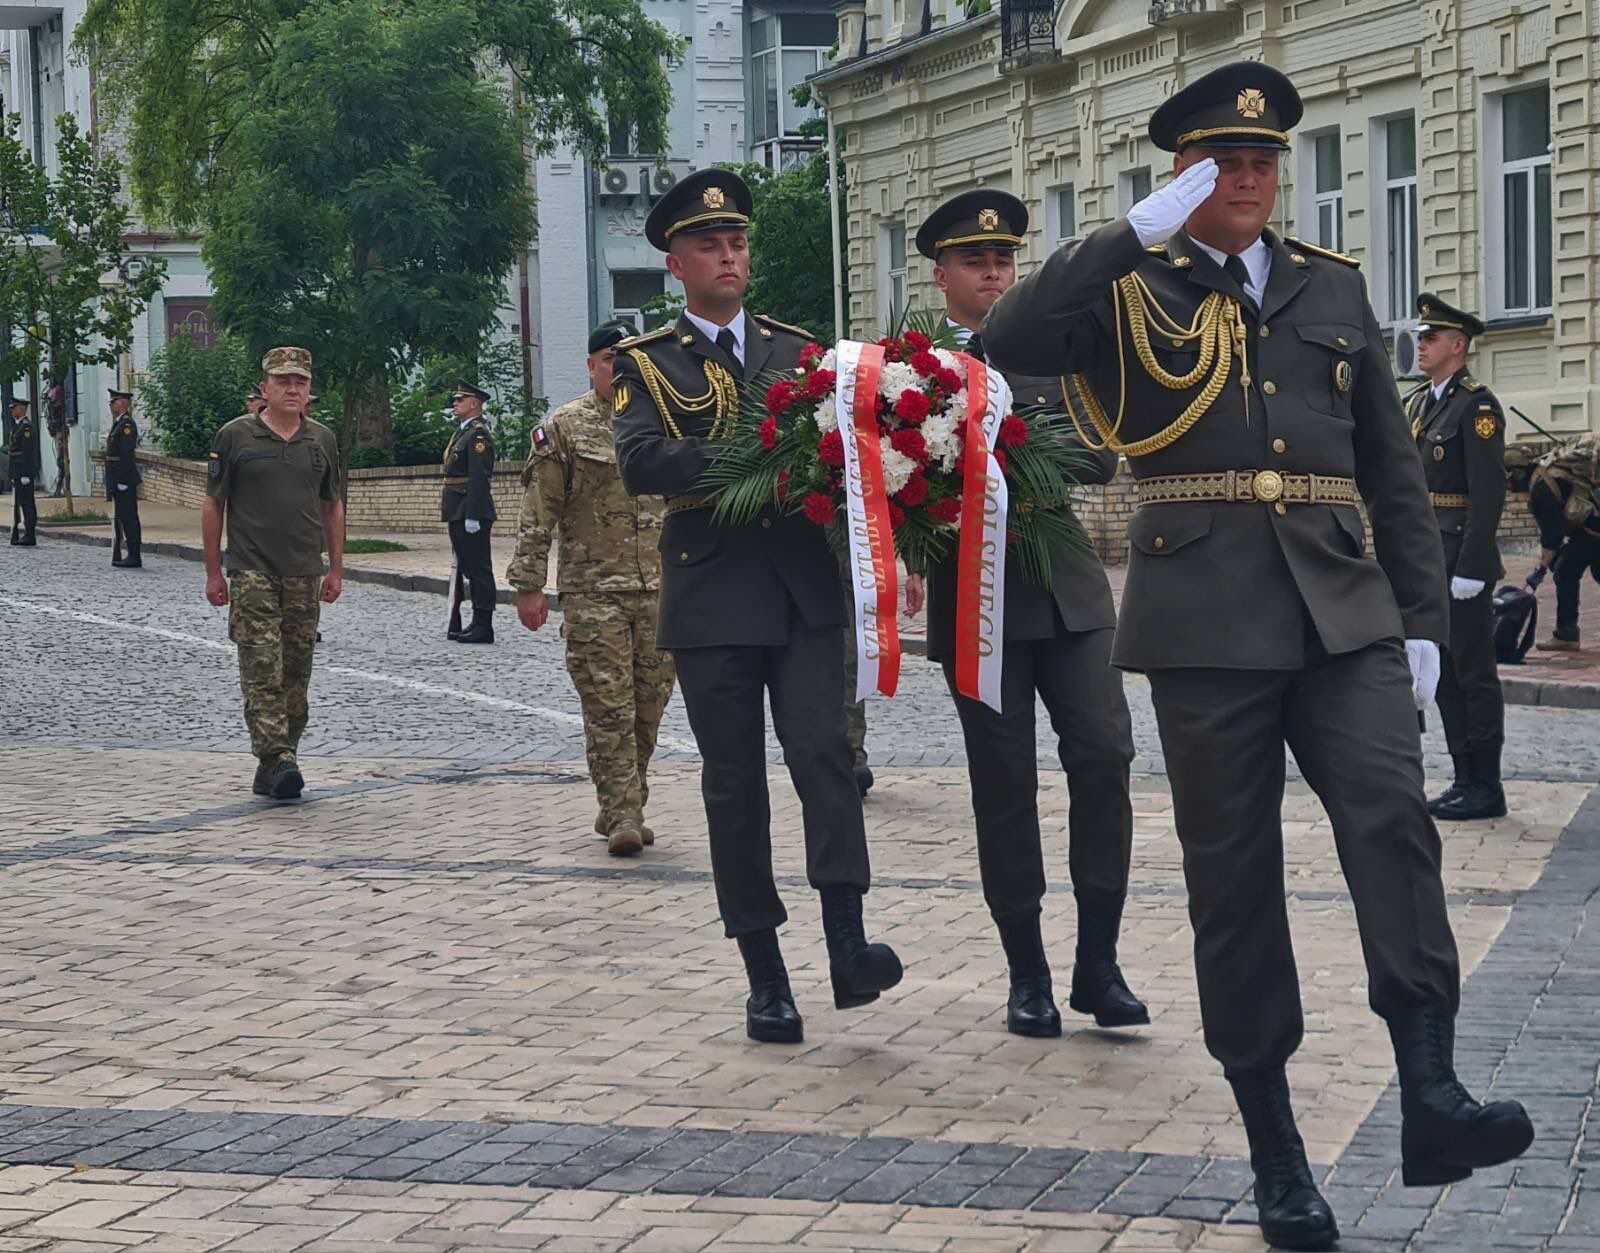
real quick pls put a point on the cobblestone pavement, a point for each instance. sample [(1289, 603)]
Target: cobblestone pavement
[(421, 1010)]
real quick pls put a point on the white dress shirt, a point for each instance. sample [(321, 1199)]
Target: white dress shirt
[(1257, 260), (710, 330)]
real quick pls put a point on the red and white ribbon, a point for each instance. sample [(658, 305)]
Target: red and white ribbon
[(981, 559), (872, 570)]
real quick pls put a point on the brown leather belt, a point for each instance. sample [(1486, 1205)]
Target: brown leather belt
[(1447, 500), (1267, 487), (678, 504), (456, 482)]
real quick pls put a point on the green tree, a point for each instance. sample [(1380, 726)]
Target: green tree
[(791, 254), (65, 235), (191, 391)]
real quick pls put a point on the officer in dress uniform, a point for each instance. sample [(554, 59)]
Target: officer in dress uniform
[(123, 479), (1244, 376), (1057, 648), (24, 462), (467, 505), (1461, 435), (748, 612)]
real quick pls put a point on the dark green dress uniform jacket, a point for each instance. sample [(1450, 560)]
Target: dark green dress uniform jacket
[(1463, 445), (122, 466), (1078, 588), (1232, 585), (720, 585), (469, 459), (23, 455)]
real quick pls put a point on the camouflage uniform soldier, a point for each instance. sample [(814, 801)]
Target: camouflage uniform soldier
[(610, 572), (275, 477)]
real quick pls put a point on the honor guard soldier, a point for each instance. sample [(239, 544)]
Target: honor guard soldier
[(1253, 395), (748, 612), (610, 572), (24, 461), (1057, 649), (467, 505), (122, 481), (1461, 434)]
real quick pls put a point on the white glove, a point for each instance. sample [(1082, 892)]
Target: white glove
[(122, 487), (473, 526), (1158, 216), (25, 482), (1465, 589), (1423, 658)]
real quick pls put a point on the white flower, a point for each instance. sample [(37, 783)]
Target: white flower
[(897, 377), (897, 467), (828, 412), (951, 361), (830, 360)]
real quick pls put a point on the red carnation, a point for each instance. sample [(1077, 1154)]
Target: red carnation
[(911, 444), (818, 508), (1013, 431), (913, 407), (948, 379), (820, 384), (891, 349), (783, 485), (946, 510), (830, 449), (917, 341), (897, 516), (810, 355), (915, 491), (925, 364), (780, 396), (769, 433)]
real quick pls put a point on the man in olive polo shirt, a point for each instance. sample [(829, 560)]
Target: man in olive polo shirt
[(274, 476)]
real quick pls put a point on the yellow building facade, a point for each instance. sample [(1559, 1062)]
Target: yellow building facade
[(1451, 146)]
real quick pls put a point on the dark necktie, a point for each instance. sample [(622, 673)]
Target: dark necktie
[(1234, 268), (729, 343), (974, 347)]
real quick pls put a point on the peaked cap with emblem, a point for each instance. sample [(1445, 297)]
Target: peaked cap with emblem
[(974, 219), (1435, 315), (119, 395), (287, 361), (469, 389), (707, 200), (609, 335), (23, 401), (1241, 105)]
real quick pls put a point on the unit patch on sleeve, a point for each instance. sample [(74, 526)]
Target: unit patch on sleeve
[(1485, 426)]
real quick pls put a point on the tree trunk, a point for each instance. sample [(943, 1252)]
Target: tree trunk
[(366, 401)]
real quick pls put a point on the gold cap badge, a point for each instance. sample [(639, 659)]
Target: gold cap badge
[(988, 219), (714, 198), (1252, 104)]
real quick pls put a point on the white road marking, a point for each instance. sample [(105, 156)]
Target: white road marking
[(670, 742)]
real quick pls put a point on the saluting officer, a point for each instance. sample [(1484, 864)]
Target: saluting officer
[(467, 505), (1057, 648), (1253, 394), (123, 479), (1461, 435), (24, 462), (747, 611)]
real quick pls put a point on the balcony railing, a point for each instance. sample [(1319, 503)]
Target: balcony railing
[(1027, 33)]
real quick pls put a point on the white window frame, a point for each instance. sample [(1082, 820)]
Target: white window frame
[(1317, 203), (1498, 171), (1128, 194), (1057, 232), (1400, 260), (894, 287), (769, 148)]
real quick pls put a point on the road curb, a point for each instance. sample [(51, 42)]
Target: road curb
[(1521, 691)]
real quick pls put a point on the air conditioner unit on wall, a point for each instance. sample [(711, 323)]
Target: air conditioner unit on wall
[(615, 182), (1402, 337)]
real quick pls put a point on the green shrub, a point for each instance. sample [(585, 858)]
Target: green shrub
[(423, 423), (192, 391)]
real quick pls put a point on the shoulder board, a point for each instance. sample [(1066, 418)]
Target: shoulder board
[(1159, 250), (784, 326), (649, 337), (1322, 252), (1471, 384)]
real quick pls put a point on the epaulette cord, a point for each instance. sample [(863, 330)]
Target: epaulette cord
[(649, 337)]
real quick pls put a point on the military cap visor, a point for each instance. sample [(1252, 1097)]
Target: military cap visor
[(707, 200), (608, 336), (974, 219), (1436, 315), (116, 395), (19, 403), (469, 389), (1242, 105)]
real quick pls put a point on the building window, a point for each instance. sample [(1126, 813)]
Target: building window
[(632, 290), (1061, 214), (1399, 146), (1132, 187), (1327, 191), (619, 138), (891, 275), (1522, 201), (785, 50)]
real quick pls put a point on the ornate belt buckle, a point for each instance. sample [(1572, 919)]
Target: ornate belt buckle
[(1267, 486)]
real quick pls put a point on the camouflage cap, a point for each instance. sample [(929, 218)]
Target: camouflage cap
[(287, 361)]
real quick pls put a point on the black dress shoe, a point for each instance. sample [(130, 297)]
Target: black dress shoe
[(284, 781), (1031, 1008), (128, 563), (27, 541), (1289, 1209), (770, 1016), (1098, 987), (1445, 1134), (1462, 780), (860, 971), (479, 632), (454, 633), (864, 780)]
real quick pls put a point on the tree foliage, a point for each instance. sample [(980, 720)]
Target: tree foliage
[(191, 391)]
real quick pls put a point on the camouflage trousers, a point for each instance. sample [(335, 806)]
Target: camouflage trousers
[(855, 711), (624, 683), (273, 622)]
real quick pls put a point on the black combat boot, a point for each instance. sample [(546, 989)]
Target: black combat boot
[(1463, 780), (480, 632), (1098, 987), (1031, 1006), (1445, 1134), (1290, 1210), (863, 779), (262, 785), (284, 780), (1483, 797), (769, 1015), (860, 971)]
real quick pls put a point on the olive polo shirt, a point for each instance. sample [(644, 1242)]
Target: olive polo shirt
[(274, 489)]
